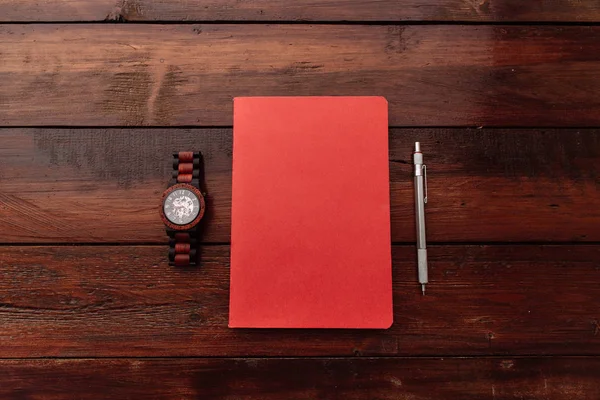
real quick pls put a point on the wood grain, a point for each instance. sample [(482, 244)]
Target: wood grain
[(167, 75), (300, 10), (321, 378), (105, 185), (124, 301)]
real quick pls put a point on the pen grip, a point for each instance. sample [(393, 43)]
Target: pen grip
[(420, 211), (422, 260)]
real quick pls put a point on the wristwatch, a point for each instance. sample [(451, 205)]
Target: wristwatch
[(182, 207)]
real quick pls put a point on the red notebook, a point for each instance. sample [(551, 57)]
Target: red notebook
[(310, 213)]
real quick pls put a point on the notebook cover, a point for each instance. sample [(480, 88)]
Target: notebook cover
[(310, 229)]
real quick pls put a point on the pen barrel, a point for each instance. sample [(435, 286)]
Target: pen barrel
[(420, 211), (419, 170), (417, 161)]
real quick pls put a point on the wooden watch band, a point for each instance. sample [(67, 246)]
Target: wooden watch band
[(183, 246), (183, 249), (186, 168)]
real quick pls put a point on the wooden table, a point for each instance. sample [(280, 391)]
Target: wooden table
[(95, 95)]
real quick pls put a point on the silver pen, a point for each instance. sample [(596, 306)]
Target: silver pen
[(420, 200)]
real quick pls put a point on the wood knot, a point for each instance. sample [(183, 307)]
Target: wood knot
[(596, 327)]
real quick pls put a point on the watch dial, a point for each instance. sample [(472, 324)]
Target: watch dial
[(181, 206)]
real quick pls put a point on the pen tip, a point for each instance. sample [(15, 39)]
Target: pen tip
[(417, 147), (423, 289)]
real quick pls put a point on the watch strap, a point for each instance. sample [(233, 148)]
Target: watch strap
[(183, 249), (187, 168)]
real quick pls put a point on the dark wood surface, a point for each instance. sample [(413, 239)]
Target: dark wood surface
[(301, 10), (432, 75), (90, 113), (484, 185), (372, 378), (98, 301)]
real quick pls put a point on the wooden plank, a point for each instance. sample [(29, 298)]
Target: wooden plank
[(119, 74), (98, 301), (300, 10), (104, 185), (323, 378)]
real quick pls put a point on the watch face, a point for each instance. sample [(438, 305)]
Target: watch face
[(181, 206)]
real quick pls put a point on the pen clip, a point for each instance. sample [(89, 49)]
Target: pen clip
[(425, 179)]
